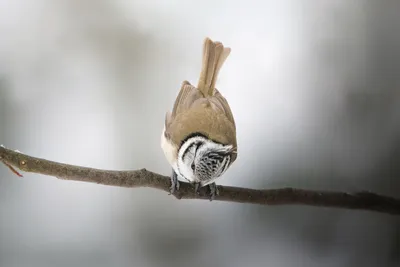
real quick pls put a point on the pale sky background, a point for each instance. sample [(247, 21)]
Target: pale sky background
[(313, 86)]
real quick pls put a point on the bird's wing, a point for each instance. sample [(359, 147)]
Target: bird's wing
[(186, 97), (223, 105), (221, 102)]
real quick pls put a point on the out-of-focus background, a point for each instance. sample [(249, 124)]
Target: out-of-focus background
[(314, 87)]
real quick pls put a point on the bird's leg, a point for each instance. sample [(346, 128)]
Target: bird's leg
[(197, 188), (174, 182), (213, 191)]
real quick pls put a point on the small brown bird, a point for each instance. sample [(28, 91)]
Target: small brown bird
[(199, 136)]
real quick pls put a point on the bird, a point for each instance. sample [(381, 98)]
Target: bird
[(199, 135)]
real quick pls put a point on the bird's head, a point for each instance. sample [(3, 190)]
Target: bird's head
[(203, 160)]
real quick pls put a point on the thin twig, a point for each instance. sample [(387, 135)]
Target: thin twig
[(144, 178), (12, 169)]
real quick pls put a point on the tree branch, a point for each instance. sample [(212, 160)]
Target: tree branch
[(144, 178)]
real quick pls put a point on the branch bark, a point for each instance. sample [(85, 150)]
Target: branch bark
[(144, 178)]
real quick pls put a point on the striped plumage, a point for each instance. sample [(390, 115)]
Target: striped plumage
[(199, 137)]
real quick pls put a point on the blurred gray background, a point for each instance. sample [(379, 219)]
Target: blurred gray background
[(314, 87)]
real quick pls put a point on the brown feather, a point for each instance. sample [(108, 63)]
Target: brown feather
[(214, 56), (203, 109), (187, 95), (204, 117)]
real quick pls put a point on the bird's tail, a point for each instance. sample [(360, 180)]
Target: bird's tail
[(214, 56)]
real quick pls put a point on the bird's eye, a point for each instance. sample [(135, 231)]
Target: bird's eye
[(193, 166)]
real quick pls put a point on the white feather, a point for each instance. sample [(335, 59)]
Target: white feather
[(184, 168), (170, 150)]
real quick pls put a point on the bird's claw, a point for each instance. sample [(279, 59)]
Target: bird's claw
[(213, 191), (197, 189), (174, 183)]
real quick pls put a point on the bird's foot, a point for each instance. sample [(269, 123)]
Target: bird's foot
[(213, 191), (197, 188), (174, 183)]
